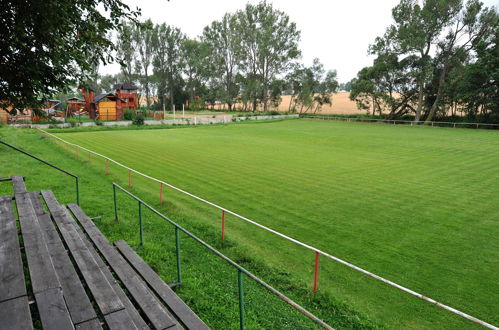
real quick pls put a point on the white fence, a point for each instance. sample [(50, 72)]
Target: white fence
[(306, 246), (404, 122)]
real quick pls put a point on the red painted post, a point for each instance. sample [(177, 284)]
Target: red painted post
[(107, 166), (129, 178), (223, 225), (161, 193), (316, 271)]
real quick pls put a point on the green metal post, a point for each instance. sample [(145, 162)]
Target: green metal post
[(241, 298), (115, 204), (177, 251), (77, 191), (140, 225)]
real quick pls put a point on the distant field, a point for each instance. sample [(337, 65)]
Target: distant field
[(417, 205), (341, 104)]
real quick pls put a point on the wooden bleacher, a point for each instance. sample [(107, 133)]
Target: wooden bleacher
[(59, 271)]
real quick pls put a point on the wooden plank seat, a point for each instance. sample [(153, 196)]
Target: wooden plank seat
[(72, 276)]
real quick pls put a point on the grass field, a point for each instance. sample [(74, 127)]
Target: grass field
[(413, 204)]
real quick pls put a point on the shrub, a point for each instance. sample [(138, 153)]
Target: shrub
[(139, 119), (129, 114), (71, 121), (98, 122)]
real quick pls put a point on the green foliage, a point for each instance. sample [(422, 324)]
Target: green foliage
[(74, 35), (420, 55), (311, 87), (269, 45), (72, 121), (129, 114), (139, 118), (167, 60)]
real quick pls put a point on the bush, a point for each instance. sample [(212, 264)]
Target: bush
[(139, 119), (129, 114), (98, 122), (71, 121)]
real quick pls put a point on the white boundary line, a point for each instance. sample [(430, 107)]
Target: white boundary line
[(341, 261)]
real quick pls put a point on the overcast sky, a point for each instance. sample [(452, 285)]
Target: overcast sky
[(337, 32)]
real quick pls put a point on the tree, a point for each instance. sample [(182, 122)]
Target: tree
[(47, 46), (168, 61), (478, 87), (195, 54), (126, 50), (472, 24), (311, 87), (143, 38), (388, 85), (223, 42), (269, 44), (416, 29)]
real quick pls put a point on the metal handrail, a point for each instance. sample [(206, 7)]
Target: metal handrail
[(49, 164), (240, 270)]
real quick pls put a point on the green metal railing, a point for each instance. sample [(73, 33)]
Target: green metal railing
[(241, 271), (77, 186)]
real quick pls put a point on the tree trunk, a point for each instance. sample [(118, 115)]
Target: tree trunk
[(420, 102), (146, 80), (441, 81)]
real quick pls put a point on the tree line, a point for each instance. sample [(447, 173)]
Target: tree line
[(249, 57), (437, 58)]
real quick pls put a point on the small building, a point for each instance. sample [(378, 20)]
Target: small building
[(73, 105), (127, 93), (107, 106)]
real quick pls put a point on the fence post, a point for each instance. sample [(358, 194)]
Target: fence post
[(316, 271), (77, 191), (129, 179), (223, 225), (107, 166), (140, 225), (177, 252), (241, 298), (115, 203), (161, 193)]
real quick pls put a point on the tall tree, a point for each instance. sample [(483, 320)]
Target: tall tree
[(269, 43), (196, 55), (388, 85), (46, 46), (471, 25), (168, 61), (478, 87), (416, 30), (223, 41), (126, 50), (312, 87), (143, 39)]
